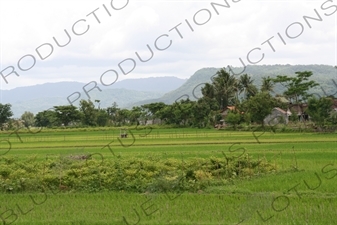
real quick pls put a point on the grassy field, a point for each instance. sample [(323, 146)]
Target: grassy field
[(302, 189)]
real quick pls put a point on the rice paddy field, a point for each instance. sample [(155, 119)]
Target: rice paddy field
[(299, 188)]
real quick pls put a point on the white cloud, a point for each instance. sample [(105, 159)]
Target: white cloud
[(25, 25)]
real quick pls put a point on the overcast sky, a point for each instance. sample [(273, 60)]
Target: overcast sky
[(119, 28)]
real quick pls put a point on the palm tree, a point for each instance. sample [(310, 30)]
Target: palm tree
[(246, 86), (267, 84), (225, 87), (208, 91)]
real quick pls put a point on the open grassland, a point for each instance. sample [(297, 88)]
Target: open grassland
[(301, 188)]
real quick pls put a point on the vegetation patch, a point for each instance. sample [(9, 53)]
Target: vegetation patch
[(85, 173)]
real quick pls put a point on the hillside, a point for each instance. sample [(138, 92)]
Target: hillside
[(44, 96), (135, 92), (122, 97), (323, 74)]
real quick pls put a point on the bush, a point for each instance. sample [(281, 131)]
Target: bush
[(132, 174)]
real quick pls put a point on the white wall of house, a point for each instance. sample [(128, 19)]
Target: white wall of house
[(277, 116)]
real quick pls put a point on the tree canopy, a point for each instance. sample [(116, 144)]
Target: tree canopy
[(5, 113)]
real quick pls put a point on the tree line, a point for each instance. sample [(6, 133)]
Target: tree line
[(248, 103)]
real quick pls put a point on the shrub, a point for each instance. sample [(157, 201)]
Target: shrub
[(132, 174)]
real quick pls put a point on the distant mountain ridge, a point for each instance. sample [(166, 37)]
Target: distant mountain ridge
[(41, 97), (136, 92)]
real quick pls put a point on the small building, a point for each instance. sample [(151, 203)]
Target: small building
[(299, 109), (277, 116), (225, 112)]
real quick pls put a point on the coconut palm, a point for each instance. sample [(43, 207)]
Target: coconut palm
[(225, 88), (208, 91), (267, 84), (246, 86)]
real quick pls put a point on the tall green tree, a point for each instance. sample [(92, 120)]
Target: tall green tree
[(166, 115), (46, 118), (208, 91), (150, 110), (5, 113), (87, 108), (203, 112), (246, 86), (260, 106), (136, 114), (28, 118), (183, 112), (67, 114), (225, 88), (179, 113), (112, 112), (102, 118), (267, 85), (122, 116), (319, 110), (297, 88)]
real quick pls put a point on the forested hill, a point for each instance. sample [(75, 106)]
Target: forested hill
[(323, 74)]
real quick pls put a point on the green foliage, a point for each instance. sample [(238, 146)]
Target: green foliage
[(28, 118), (135, 114), (224, 91), (5, 114), (151, 110), (297, 88), (247, 117), (89, 113), (267, 84), (333, 117), (102, 118), (67, 114), (245, 85), (319, 110), (84, 173), (260, 106), (243, 184), (225, 87), (293, 117), (179, 113), (122, 116), (208, 91), (46, 118), (203, 112), (233, 118)]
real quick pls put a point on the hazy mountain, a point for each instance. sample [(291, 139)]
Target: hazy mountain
[(190, 89), (323, 74), (39, 91), (44, 96), (122, 97), (154, 84), (133, 92)]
